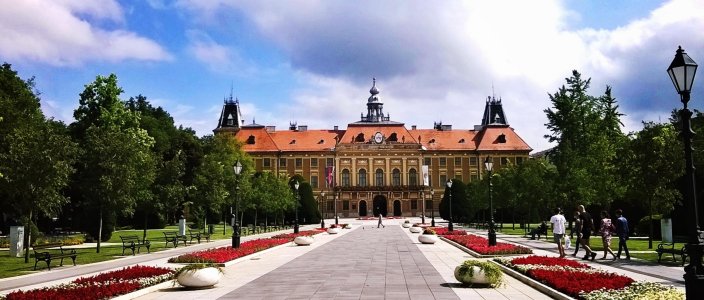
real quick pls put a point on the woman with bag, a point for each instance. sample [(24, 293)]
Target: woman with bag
[(606, 230)]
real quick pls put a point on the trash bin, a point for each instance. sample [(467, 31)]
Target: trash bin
[(211, 228)]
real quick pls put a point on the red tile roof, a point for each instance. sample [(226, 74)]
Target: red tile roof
[(368, 131), (433, 139), (490, 140)]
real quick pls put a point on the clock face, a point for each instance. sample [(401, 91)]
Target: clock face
[(378, 138)]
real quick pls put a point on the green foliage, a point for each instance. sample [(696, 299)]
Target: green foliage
[(460, 203), (643, 226), (492, 272)]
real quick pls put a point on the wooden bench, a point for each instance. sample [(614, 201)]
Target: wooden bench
[(49, 252), (133, 242), (197, 235), (174, 238), (670, 248)]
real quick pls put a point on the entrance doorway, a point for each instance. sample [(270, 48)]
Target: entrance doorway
[(397, 208), (363, 208), (380, 205)]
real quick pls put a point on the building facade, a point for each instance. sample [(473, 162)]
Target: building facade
[(375, 165)]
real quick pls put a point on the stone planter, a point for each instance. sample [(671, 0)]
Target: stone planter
[(199, 278), (477, 278), (303, 240), (406, 225), (335, 230), (415, 229), (428, 238)]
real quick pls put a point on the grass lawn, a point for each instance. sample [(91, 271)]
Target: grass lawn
[(10, 266)]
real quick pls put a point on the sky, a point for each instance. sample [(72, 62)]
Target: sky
[(312, 62)]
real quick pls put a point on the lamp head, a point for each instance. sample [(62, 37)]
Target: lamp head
[(449, 183), (682, 70), (237, 167), (296, 185), (489, 163)]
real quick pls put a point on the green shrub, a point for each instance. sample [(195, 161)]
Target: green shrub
[(643, 228)]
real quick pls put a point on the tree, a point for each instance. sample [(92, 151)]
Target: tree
[(460, 203), (117, 164)]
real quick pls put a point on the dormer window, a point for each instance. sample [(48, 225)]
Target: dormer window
[(393, 138), (431, 141), (292, 142), (501, 139), (250, 140), (230, 120), (461, 141), (320, 142), (360, 138)]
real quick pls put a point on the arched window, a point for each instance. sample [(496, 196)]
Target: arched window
[(412, 177), (345, 177), (396, 177), (362, 178), (379, 178)]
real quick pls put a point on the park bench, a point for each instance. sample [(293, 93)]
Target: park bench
[(197, 235), (541, 230), (133, 242), (670, 248), (49, 252), (174, 238)]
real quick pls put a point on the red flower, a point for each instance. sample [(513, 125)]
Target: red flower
[(574, 282), (225, 254), (547, 261), (481, 245)]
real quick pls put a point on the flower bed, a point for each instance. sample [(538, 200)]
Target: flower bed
[(445, 231), (102, 286), (584, 282), (292, 236), (225, 254), (481, 245)]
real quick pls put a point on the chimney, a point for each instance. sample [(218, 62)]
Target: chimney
[(302, 128), (335, 128), (413, 127), (446, 127), (271, 128)]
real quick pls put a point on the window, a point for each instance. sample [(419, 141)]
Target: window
[(396, 177), (458, 176), (313, 162), (345, 177), (267, 163), (473, 176), (346, 205), (443, 180), (426, 161), (472, 161), (282, 162), (299, 163), (412, 177), (519, 160), (443, 161), (331, 206), (379, 177), (505, 161), (314, 181), (414, 204), (362, 178), (458, 162), (329, 162)]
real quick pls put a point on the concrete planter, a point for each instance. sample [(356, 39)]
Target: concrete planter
[(428, 238), (415, 229), (335, 230), (303, 240), (199, 278), (478, 277), (406, 225)]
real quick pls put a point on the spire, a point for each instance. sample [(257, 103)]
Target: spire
[(493, 112), (375, 108), (230, 116), (374, 90)]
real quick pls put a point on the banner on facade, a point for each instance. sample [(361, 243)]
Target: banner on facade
[(330, 175), (424, 171)]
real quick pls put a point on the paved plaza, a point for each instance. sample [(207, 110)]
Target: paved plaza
[(365, 262)]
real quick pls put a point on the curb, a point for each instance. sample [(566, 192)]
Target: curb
[(144, 291)]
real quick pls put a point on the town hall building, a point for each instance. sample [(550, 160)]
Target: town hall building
[(376, 165)]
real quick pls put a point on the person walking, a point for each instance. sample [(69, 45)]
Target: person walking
[(587, 228), (606, 230), (380, 222), (557, 222), (578, 230), (622, 232)]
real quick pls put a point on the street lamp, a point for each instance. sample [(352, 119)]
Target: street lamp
[(235, 224), (682, 71), (422, 196), (295, 224), (449, 187), (432, 207), (322, 203), (489, 165)]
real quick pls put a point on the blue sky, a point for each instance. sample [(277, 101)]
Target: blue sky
[(312, 62)]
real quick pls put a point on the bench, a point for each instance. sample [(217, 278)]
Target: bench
[(197, 235), (133, 242), (670, 248), (541, 230), (48, 252), (174, 238)]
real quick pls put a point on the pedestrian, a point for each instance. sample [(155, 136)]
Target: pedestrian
[(587, 229), (557, 222), (578, 230), (622, 232), (606, 230), (380, 223)]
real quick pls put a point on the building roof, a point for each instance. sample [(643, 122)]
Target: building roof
[(493, 138), (307, 140), (364, 133), (433, 139)]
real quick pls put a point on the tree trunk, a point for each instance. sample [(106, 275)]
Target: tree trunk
[(100, 229), (27, 236), (144, 232)]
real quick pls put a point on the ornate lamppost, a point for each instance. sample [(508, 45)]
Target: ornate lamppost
[(682, 71), (449, 187), (489, 165), (432, 207), (235, 224), (322, 204), (422, 196), (295, 224)]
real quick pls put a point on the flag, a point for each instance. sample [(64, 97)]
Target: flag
[(424, 171), (330, 175)]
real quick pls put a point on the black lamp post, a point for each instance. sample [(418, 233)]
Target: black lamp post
[(422, 196), (432, 207), (682, 71), (295, 224), (449, 187), (235, 224), (489, 165), (322, 204)]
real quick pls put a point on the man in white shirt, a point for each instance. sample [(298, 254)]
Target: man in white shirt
[(558, 230)]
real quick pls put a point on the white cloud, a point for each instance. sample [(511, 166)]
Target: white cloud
[(217, 57), (66, 33)]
